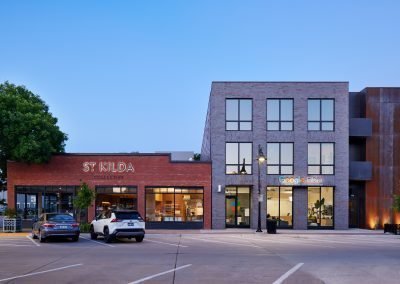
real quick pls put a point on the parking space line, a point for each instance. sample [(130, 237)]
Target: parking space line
[(288, 273), (14, 245), (159, 274), (221, 242), (100, 243), (147, 240), (40, 272), (30, 238)]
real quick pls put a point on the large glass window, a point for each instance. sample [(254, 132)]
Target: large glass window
[(320, 207), (237, 206), (237, 156), (168, 204), (280, 114), (239, 114), (279, 158), (280, 205), (115, 197), (321, 158), (321, 114)]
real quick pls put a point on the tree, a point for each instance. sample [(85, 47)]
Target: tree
[(196, 157), (83, 199), (28, 131), (396, 203)]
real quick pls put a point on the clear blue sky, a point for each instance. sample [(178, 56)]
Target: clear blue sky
[(126, 76)]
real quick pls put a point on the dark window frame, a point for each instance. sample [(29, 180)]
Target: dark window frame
[(239, 120), (320, 165), (319, 227), (320, 121), (280, 121), (247, 164), (250, 187), (280, 165)]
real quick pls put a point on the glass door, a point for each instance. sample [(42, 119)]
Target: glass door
[(237, 207), (230, 209)]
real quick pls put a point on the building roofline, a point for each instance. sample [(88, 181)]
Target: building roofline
[(280, 82)]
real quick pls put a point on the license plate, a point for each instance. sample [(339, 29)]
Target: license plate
[(63, 227), (131, 224)]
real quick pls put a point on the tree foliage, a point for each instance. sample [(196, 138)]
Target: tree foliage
[(28, 131), (83, 199), (396, 203)]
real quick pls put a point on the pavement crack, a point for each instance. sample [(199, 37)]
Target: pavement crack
[(176, 257)]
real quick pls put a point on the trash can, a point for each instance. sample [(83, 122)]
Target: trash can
[(271, 226)]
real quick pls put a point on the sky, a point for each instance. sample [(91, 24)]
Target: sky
[(135, 76)]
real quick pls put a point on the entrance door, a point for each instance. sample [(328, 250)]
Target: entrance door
[(237, 207)]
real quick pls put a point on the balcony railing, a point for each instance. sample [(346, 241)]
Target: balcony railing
[(360, 170), (360, 127)]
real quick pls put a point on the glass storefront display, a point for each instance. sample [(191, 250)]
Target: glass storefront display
[(280, 205), (237, 206), (169, 204), (115, 197), (320, 207)]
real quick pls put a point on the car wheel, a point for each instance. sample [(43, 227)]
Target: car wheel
[(107, 237), (75, 239), (41, 238), (93, 235), (33, 235), (139, 239)]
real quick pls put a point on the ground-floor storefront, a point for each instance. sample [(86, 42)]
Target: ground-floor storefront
[(168, 194)]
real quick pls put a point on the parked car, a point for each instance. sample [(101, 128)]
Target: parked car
[(118, 224), (55, 225)]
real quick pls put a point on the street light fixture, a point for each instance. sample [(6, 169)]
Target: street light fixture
[(260, 159)]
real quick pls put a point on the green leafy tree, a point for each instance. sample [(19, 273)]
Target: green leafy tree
[(83, 199), (396, 203), (28, 131), (196, 157)]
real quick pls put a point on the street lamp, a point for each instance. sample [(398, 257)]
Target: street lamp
[(260, 159)]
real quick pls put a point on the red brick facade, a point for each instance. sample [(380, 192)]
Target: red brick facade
[(148, 170)]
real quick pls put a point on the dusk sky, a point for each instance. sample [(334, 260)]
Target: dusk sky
[(124, 76)]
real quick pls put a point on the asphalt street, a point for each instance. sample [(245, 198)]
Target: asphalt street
[(204, 258)]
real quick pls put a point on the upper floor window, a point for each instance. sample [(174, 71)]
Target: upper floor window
[(280, 158), (321, 114), (321, 158), (239, 114), (280, 114), (238, 158)]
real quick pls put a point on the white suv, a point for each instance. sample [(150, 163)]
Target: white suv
[(118, 224)]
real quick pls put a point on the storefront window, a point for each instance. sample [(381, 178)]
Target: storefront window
[(115, 197), (320, 207), (174, 204), (280, 205), (237, 206)]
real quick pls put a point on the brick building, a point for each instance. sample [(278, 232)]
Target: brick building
[(169, 194)]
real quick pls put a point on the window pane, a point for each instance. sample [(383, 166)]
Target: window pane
[(232, 126), (286, 170), (313, 126), (188, 207), (273, 202), (327, 154), (272, 109), (314, 154), (314, 210), (245, 109), (273, 153), (327, 126), (287, 126), (273, 170), (231, 170), (286, 199), (327, 109), (313, 170), (232, 150), (327, 206), (245, 126), (232, 110), (314, 110), (245, 152), (273, 126), (286, 109), (248, 169), (327, 170), (286, 153)]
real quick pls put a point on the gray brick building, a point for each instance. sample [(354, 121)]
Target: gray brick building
[(302, 129)]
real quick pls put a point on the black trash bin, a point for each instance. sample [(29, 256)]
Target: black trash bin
[(271, 226)]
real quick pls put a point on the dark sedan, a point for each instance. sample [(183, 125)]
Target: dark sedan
[(55, 225)]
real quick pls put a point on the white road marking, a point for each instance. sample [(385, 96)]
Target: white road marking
[(40, 272), (159, 274), (104, 244), (290, 242), (14, 245), (29, 237), (287, 274), (221, 242), (147, 240)]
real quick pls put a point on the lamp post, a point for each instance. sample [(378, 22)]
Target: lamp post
[(260, 159)]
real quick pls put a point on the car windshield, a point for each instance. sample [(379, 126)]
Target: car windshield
[(128, 215), (59, 217)]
